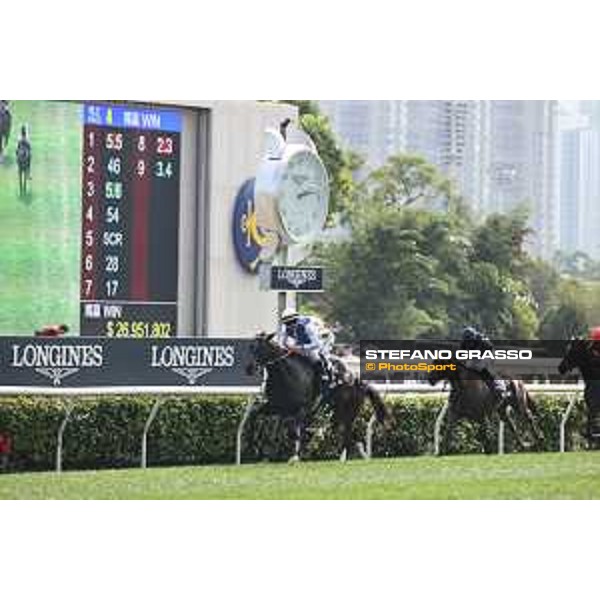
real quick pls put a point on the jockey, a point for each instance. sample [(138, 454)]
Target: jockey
[(472, 339), (303, 334), (23, 152), (594, 335)]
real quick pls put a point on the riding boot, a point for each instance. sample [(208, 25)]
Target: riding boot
[(325, 383)]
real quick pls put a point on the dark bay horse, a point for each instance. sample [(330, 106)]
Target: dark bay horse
[(292, 393), (5, 127), (585, 355), (471, 399)]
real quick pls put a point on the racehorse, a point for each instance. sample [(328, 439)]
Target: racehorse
[(5, 127), (471, 399), (292, 393), (585, 355), (24, 161)]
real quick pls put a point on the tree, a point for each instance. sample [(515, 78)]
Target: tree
[(409, 273), (568, 317), (500, 240), (396, 276), (577, 264), (408, 179), (543, 281)]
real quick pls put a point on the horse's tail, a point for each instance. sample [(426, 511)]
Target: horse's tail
[(531, 404), (381, 410), (524, 399)]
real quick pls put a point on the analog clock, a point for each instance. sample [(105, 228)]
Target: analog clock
[(292, 194), (304, 196)]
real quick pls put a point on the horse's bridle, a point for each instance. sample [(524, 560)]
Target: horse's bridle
[(275, 360)]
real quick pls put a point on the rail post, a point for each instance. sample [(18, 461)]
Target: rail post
[(59, 437), (149, 420), (501, 430), (563, 423), (369, 440), (438, 427)]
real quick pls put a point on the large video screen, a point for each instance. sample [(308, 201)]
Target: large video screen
[(89, 216)]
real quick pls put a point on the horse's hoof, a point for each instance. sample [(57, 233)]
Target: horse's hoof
[(294, 460), (344, 456)]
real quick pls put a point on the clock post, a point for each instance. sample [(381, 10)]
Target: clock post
[(282, 295), (292, 204)]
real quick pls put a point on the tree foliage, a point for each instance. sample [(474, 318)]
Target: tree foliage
[(577, 264), (407, 179)]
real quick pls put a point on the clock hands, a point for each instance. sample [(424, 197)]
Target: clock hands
[(299, 179)]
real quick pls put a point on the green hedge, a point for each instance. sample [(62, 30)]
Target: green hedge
[(106, 432)]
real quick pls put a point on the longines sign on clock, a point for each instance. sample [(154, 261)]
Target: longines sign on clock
[(295, 279)]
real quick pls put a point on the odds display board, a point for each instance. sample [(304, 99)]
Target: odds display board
[(130, 218), (89, 234)]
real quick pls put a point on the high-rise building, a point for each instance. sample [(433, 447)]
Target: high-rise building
[(580, 189), (374, 129), (570, 189), (523, 169), (448, 133)]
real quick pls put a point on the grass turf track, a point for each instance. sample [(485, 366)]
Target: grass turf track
[(526, 476)]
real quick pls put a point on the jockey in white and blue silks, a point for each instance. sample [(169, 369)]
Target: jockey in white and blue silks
[(303, 334)]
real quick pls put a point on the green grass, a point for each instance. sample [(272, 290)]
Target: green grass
[(40, 233), (528, 476)]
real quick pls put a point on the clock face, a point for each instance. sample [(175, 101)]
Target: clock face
[(304, 196)]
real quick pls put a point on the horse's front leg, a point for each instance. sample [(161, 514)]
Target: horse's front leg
[(527, 407), (346, 430), (342, 423), (251, 430), (295, 434), (483, 437), (506, 416), (448, 432), (255, 428), (535, 429)]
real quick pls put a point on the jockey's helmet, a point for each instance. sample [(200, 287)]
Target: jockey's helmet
[(289, 315), (469, 334), (595, 334)]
